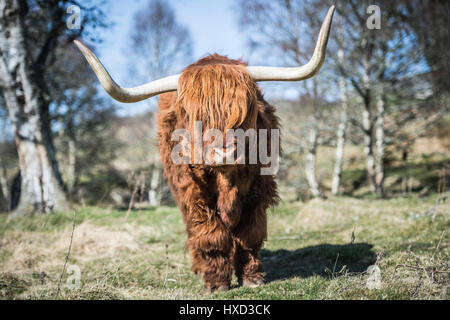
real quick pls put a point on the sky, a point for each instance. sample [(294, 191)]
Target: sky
[(213, 26)]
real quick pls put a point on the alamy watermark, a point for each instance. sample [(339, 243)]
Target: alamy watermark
[(73, 281), (374, 20), (374, 280), (213, 149), (74, 19)]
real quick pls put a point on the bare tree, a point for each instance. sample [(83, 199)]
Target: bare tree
[(376, 59), (158, 41), (6, 160), (82, 117), (288, 30), (429, 21), (29, 33), (42, 189), (380, 144), (160, 45), (311, 149), (310, 166), (341, 132)]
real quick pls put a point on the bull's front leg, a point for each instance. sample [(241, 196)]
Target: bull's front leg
[(211, 247), (250, 234)]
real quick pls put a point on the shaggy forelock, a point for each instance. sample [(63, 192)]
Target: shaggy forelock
[(219, 92)]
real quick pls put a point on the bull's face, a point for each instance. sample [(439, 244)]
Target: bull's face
[(217, 102)]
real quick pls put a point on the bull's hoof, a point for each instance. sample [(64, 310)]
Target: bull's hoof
[(252, 283), (222, 288)]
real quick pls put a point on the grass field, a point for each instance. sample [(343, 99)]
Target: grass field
[(317, 250)]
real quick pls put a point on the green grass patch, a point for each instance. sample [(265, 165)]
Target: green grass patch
[(315, 250)]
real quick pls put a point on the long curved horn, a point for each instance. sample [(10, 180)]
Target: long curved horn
[(126, 95), (303, 72)]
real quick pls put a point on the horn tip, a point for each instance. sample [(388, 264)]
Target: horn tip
[(79, 44), (332, 9), (83, 48)]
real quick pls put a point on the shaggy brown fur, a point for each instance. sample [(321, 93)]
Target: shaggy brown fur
[(224, 208)]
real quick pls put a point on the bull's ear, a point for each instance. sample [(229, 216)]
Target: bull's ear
[(126, 95), (302, 72)]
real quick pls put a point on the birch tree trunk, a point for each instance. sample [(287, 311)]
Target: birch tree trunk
[(41, 184), (341, 133), (368, 149), (4, 188), (71, 169), (380, 144), (367, 129), (310, 166), (153, 194)]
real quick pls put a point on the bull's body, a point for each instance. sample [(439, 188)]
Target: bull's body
[(224, 208)]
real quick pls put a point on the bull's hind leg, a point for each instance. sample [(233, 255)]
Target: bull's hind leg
[(211, 248), (250, 235)]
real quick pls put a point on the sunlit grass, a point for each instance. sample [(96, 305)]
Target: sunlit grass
[(315, 250)]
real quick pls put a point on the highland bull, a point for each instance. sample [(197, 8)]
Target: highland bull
[(223, 203)]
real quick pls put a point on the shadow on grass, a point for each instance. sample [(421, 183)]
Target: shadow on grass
[(322, 260)]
